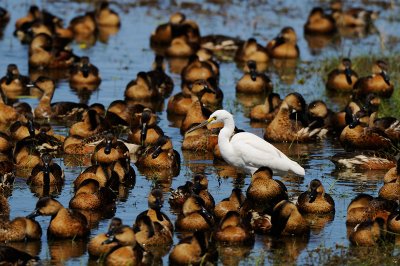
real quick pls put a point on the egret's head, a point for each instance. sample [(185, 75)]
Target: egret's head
[(217, 116)]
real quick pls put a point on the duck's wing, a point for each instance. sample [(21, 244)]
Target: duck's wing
[(257, 152)]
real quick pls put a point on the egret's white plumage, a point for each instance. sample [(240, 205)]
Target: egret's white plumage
[(248, 151)]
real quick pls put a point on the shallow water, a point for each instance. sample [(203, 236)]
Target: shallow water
[(128, 52)]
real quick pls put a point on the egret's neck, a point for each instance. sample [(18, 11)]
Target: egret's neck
[(227, 131)]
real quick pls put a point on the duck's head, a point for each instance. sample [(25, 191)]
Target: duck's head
[(362, 200), (30, 124), (43, 41), (350, 110), (45, 206), (185, 189), (195, 204), (163, 143), (381, 67), (204, 54), (296, 102), (33, 229), (159, 63), (85, 66), (252, 65), (318, 109), (316, 14), (123, 235), (372, 103), (285, 209), (296, 105), (93, 118), (114, 223), (156, 199), (200, 183), (46, 160), (144, 120), (108, 142), (315, 188), (288, 35), (263, 173), (144, 224), (345, 66), (104, 5), (12, 72), (34, 11), (237, 195), (231, 219), (199, 86), (23, 108), (89, 186), (250, 45), (143, 78), (353, 121), (3, 12), (272, 101), (177, 18), (44, 84), (99, 108)]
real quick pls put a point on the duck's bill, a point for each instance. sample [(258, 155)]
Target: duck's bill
[(313, 195), (30, 85), (199, 126), (109, 240), (34, 214), (143, 134), (385, 77), (156, 152), (348, 73), (207, 216)]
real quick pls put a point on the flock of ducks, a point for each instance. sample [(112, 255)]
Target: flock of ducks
[(109, 140)]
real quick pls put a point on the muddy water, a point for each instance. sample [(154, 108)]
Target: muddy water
[(126, 53)]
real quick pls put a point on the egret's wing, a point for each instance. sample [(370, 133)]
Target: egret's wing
[(257, 152), (251, 141)]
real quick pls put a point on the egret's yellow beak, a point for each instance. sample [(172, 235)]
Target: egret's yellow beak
[(201, 124)]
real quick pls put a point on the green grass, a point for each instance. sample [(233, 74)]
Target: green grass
[(340, 255), (362, 65), (385, 254)]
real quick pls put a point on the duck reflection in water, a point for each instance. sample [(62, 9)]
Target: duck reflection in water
[(290, 246), (63, 250)]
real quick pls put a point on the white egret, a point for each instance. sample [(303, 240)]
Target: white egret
[(246, 150)]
